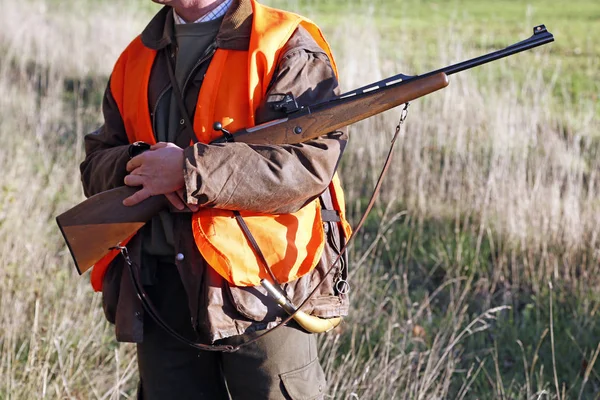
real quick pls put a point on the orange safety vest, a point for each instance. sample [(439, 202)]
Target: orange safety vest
[(234, 86)]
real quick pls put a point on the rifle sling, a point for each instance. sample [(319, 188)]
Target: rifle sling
[(255, 246)]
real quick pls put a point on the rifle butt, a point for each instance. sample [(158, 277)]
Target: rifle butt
[(95, 225)]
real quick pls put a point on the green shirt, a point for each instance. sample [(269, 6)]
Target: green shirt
[(192, 41)]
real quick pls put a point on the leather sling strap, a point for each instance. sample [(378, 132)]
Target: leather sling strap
[(360, 224), (154, 314), (255, 245)]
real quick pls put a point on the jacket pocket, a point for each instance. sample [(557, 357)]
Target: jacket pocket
[(306, 383), (254, 303), (329, 301)]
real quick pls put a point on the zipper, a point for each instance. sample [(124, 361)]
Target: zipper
[(341, 273), (208, 53), (160, 96)]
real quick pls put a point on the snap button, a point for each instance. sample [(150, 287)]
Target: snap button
[(179, 257)]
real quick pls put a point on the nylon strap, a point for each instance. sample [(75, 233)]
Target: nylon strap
[(330, 215)]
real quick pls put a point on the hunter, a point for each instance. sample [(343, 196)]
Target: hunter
[(235, 206)]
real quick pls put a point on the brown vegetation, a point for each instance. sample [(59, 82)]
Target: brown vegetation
[(493, 194)]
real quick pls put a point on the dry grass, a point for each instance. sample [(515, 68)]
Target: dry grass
[(494, 161), (53, 340)]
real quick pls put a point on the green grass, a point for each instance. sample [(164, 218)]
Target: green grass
[(481, 25), (516, 345)]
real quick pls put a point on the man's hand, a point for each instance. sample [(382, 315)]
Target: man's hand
[(158, 171), (176, 199)]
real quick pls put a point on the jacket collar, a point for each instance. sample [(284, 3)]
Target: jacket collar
[(234, 33)]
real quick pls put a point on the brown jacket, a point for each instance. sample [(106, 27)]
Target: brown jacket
[(235, 176)]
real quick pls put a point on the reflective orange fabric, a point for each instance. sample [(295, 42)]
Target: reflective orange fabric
[(129, 87), (233, 88)]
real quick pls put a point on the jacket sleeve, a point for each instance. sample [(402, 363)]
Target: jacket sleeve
[(106, 151), (272, 178)]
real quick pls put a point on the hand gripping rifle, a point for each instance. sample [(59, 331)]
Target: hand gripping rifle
[(102, 222)]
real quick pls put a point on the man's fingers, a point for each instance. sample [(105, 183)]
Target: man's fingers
[(134, 163), (192, 207), (179, 193), (134, 180), (175, 201), (137, 197)]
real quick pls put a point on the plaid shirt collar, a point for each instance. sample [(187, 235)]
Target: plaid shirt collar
[(215, 13)]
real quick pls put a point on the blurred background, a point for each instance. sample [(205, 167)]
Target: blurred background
[(477, 275)]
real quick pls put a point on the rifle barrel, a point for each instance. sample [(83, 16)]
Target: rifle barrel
[(540, 37)]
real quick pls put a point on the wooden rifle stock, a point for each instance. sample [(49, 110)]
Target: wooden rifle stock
[(312, 122), (95, 225), (101, 222)]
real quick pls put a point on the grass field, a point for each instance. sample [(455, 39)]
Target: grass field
[(481, 25), (477, 276)]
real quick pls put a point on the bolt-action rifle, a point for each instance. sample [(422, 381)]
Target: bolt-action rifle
[(102, 222)]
